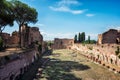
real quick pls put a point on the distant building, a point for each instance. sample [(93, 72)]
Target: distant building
[(63, 43), (111, 36)]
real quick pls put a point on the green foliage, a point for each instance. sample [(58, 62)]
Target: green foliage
[(117, 51), (88, 39), (75, 39), (79, 37), (6, 14), (82, 36), (90, 48), (24, 13), (89, 42)]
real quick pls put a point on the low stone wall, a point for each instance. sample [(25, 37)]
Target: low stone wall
[(102, 54), (16, 67)]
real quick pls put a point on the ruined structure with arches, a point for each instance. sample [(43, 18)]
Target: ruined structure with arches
[(111, 36)]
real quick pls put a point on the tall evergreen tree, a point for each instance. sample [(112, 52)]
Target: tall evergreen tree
[(88, 39), (82, 36), (79, 37), (75, 39)]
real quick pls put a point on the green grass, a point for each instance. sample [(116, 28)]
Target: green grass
[(70, 65)]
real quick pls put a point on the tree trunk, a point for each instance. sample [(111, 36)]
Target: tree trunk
[(20, 45)]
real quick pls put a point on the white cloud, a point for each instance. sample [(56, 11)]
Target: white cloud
[(67, 9), (51, 36), (39, 25), (92, 36), (65, 6), (68, 2), (90, 15), (113, 27)]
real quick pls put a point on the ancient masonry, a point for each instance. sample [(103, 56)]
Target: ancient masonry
[(28, 36), (112, 36), (63, 43), (14, 63), (103, 54)]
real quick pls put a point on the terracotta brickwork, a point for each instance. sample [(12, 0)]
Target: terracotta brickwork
[(63, 43), (28, 36), (13, 66), (112, 36), (103, 54)]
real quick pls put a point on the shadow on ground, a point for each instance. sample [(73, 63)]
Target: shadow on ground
[(55, 69)]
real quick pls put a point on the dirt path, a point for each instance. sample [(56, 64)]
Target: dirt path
[(69, 65)]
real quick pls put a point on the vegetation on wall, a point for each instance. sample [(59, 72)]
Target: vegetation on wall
[(117, 52)]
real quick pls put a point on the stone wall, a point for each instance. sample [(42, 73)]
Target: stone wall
[(16, 64), (30, 35), (103, 54), (63, 43), (111, 36)]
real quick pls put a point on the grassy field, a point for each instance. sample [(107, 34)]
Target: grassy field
[(68, 65)]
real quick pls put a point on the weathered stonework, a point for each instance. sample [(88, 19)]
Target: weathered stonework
[(63, 43), (102, 54), (110, 37), (12, 66), (29, 35)]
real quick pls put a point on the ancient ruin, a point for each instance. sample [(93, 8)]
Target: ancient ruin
[(14, 61), (111, 36), (63, 43)]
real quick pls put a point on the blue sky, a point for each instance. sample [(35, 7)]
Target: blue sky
[(65, 18)]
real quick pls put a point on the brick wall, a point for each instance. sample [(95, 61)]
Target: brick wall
[(17, 66), (63, 43)]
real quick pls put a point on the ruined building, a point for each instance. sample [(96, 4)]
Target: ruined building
[(14, 63), (111, 36), (63, 43), (29, 35)]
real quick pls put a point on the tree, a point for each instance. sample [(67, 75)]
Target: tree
[(88, 39), (79, 37), (82, 36), (24, 14), (75, 39), (6, 15)]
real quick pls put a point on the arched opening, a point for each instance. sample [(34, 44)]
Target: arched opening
[(21, 71), (12, 77)]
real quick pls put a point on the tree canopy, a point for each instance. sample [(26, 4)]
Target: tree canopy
[(24, 13), (6, 14), (75, 39)]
